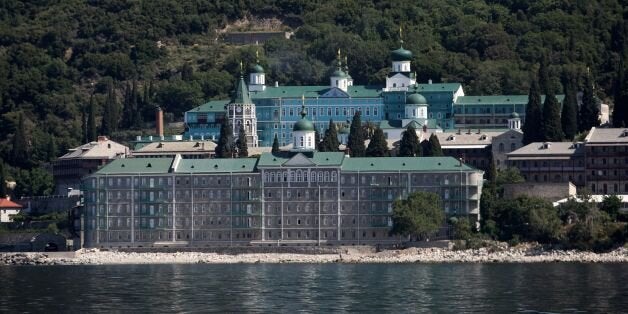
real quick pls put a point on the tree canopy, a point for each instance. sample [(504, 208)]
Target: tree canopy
[(418, 216)]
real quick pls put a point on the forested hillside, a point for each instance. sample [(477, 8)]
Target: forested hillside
[(66, 63)]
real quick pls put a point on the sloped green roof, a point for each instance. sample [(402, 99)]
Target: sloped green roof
[(257, 69), (217, 165), (211, 106), (313, 91), (403, 164), (498, 99), (242, 93), (401, 54), (438, 87), (318, 158), (136, 165), (416, 99)]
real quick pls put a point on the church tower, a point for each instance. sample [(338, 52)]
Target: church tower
[(514, 122), (241, 111), (303, 132), (400, 77), (257, 77), (339, 78)]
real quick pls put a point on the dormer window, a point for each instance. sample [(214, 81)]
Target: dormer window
[(451, 138)]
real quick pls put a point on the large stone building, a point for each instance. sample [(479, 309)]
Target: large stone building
[(392, 106), (299, 197), (606, 160), (69, 169), (550, 162)]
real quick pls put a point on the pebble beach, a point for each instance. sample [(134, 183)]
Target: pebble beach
[(524, 254)]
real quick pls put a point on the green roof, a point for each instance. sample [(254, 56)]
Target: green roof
[(212, 106), (339, 73), (216, 165), (401, 54), (136, 165), (257, 69), (304, 125), (416, 99), (438, 87), (499, 99), (403, 164), (313, 91), (318, 158), (241, 93)]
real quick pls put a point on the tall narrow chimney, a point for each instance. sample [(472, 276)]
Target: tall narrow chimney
[(159, 122)]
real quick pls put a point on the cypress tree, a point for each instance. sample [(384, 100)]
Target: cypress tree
[(532, 124), (224, 147), (551, 127), (51, 149), (409, 145), (127, 111), (620, 97), (275, 149), (110, 114), (330, 140), (317, 139), (243, 150), (92, 134), (3, 181), (19, 151), (356, 137), (435, 149), (378, 147), (491, 174), (135, 103), (84, 114), (569, 115), (544, 78), (588, 113)]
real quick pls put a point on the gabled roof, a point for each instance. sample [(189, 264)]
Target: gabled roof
[(320, 159), (313, 91), (103, 148), (8, 204), (453, 139), (546, 149), (241, 93), (137, 165), (438, 87), (366, 164), (212, 106), (177, 147), (218, 165), (500, 99), (607, 136)]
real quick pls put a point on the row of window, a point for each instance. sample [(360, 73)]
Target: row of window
[(300, 176)]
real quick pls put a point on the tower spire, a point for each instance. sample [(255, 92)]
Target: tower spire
[(257, 55), (241, 69), (303, 112), (339, 59), (400, 36)]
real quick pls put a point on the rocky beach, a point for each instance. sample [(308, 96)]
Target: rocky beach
[(521, 254)]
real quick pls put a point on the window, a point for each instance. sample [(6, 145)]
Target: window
[(501, 147)]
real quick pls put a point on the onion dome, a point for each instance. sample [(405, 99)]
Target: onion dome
[(344, 130), (339, 73), (257, 69), (304, 124), (401, 55), (416, 99), (514, 115)]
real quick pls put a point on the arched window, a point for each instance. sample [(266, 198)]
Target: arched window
[(394, 84), (320, 176), (285, 176), (313, 176), (302, 141), (512, 146), (334, 176), (501, 147), (291, 176), (326, 179), (299, 176)]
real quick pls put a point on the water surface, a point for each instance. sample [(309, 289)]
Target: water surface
[(421, 288)]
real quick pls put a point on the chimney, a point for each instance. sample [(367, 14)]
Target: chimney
[(276, 83), (159, 122), (102, 138), (429, 81)]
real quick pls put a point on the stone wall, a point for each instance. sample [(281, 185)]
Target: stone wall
[(548, 191)]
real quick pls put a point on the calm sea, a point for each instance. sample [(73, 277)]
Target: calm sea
[(453, 288)]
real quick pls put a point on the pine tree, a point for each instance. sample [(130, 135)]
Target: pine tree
[(3, 181), (243, 150), (544, 78), (275, 149), (588, 113), (620, 97), (356, 137), (330, 140), (435, 149), (378, 147), (551, 127), (532, 125), (92, 134), (224, 147), (569, 115), (19, 151), (409, 145)]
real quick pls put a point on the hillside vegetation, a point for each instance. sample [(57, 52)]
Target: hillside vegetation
[(66, 63)]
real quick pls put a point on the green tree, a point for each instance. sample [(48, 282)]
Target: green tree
[(435, 149), (224, 147), (569, 115), (528, 218), (243, 150), (3, 181), (532, 125), (92, 132), (19, 151), (611, 205), (418, 216), (620, 109), (356, 137), (275, 149), (588, 113), (378, 147), (409, 145), (462, 228), (111, 113), (544, 77), (330, 140), (551, 127)]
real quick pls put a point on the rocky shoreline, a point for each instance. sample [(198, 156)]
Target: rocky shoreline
[(346, 255)]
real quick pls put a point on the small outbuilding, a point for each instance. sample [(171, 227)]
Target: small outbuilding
[(8, 209)]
